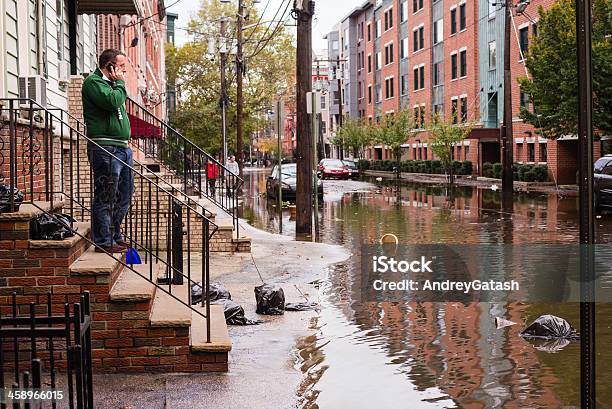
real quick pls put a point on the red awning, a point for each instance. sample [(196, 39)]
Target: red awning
[(143, 129)]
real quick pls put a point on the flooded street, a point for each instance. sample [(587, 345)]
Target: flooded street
[(434, 354)]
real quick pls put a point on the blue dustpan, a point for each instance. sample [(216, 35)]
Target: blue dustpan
[(132, 256)]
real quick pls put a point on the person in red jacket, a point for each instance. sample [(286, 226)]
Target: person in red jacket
[(212, 173)]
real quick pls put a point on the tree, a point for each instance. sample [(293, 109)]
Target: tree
[(443, 136), (552, 64), (269, 67), (353, 134), (394, 131)]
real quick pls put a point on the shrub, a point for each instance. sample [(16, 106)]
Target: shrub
[(466, 167), (497, 170), (522, 170), (541, 172), (363, 164), (487, 169), (530, 176)]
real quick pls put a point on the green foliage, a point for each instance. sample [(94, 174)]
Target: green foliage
[(552, 64), (522, 172), (394, 131), (353, 134), (443, 135), (268, 73), (416, 166)]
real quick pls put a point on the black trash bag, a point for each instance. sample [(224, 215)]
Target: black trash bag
[(550, 327), (5, 199), (302, 306), (234, 313), (216, 292), (52, 227), (270, 300)]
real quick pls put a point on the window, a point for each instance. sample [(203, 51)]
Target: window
[(403, 11), (422, 122), (543, 152), (454, 66), (462, 17), (386, 21), (422, 76), (369, 94), (404, 48), (492, 55), (369, 62), (525, 100), (323, 101), (404, 84), (463, 55), (390, 19), (346, 38), (534, 29), (378, 60), (421, 38), (359, 94), (415, 40), (464, 109), (416, 5), (438, 34), (369, 32), (453, 18), (531, 152), (361, 31), (378, 96), (454, 110), (416, 119), (389, 54), (378, 28), (323, 127), (335, 45), (389, 88), (524, 40), (437, 74), (466, 151), (59, 11)]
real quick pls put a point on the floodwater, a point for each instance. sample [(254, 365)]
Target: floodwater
[(434, 354)]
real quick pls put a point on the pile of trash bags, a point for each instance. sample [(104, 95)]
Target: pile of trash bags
[(270, 299), (52, 227), (219, 295), (550, 327), (5, 199)]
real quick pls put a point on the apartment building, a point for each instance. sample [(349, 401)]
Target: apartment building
[(444, 57)]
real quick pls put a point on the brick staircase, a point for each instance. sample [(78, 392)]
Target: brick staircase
[(137, 327)]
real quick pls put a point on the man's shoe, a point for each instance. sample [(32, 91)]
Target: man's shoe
[(112, 249), (123, 244)]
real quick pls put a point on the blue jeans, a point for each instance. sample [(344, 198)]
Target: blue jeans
[(113, 188)]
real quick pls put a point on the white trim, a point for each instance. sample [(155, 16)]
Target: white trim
[(454, 98), (524, 25), (454, 52), (466, 143), (519, 140), (453, 7), (463, 49), (463, 96)]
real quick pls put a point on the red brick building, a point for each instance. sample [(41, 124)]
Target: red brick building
[(444, 57)]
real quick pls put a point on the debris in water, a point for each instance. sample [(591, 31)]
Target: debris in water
[(379, 179), (503, 323), (494, 187), (550, 327), (389, 238)]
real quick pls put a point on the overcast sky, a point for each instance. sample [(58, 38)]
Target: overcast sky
[(328, 12)]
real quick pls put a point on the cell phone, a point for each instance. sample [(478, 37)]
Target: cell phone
[(111, 65)]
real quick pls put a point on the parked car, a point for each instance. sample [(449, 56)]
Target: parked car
[(602, 181), (288, 182), (333, 168), (352, 168)]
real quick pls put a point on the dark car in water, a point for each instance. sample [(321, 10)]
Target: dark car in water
[(602, 183), (288, 182), (352, 168)]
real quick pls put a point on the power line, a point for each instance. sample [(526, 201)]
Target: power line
[(265, 42), (152, 15)]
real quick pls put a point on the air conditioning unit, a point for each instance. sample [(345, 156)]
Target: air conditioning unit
[(64, 73), (34, 88)]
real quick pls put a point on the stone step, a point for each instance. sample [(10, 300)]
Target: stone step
[(29, 211), (166, 311), (220, 340), (130, 287), (92, 263)]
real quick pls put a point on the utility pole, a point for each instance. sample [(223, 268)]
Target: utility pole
[(239, 96), (224, 98), (587, 234), (507, 138), (304, 11), (279, 158), (338, 77)]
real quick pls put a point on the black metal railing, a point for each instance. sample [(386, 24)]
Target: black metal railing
[(189, 165), (48, 163), (34, 346)]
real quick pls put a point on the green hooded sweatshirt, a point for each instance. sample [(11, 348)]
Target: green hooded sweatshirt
[(104, 110)]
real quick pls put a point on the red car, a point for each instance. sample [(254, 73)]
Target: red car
[(333, 168)]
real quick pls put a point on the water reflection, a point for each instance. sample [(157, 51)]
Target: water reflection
[(434, 354)]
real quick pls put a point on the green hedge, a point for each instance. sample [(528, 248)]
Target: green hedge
[(416, 166), (522, 172)]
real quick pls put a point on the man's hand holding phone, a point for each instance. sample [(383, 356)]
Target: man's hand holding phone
[(115, 74)]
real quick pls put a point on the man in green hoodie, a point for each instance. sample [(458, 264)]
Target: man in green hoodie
[(110, 157)]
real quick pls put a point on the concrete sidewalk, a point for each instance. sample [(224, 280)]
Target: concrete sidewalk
[(261, 367)]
